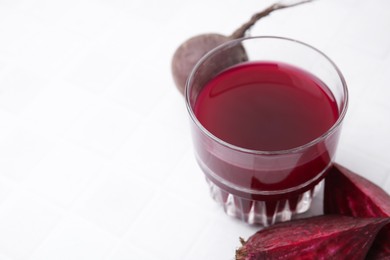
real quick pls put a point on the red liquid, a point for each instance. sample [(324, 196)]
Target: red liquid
[(265, 107)]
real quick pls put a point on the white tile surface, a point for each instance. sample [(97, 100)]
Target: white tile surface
[(103, 126), (168, 226), (74, 238), (147, 152), (368, 28), (64, 173), (8, 123), (3, 257), (116, 199), (127, 251), (95, 71), (6, 186), (55, 109), (25, 221), (18, 88), (21, 150), (215, 234), (96, 160)]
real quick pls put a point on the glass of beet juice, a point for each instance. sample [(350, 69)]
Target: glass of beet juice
[(266, 114)]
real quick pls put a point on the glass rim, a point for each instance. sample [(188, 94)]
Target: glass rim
[(265, 152)]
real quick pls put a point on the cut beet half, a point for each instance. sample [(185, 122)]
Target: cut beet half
[(347, 193)]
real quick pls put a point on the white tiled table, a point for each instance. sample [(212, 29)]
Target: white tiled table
[(96, 159)]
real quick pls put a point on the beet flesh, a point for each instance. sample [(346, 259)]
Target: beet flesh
[(321, 237), (349, 194)]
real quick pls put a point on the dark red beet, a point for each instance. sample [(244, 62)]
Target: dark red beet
[(350, 194), (192, 50), (321, 237)]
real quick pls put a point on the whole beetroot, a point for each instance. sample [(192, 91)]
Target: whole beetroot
[(349, 194), (321, 237), (193, 49)]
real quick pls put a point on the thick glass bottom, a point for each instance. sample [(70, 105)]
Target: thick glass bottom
[(265, 212)]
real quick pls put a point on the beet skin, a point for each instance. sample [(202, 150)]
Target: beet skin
[(321, 237)]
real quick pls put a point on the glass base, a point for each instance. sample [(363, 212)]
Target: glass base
[(263, 213)]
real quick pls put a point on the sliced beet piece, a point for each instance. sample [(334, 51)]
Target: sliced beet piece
[(320, 237), (349, 194)]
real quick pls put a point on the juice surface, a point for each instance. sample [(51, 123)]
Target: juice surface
[(266, 106)]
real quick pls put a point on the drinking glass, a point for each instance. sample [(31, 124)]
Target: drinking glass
[(260, 186)]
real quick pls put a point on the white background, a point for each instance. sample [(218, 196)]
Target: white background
[(96, 160)]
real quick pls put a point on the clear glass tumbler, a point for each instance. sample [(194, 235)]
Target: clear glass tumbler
[(260, 186)]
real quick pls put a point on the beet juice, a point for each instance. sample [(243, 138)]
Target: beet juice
[(266, 107), (265, 134)]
